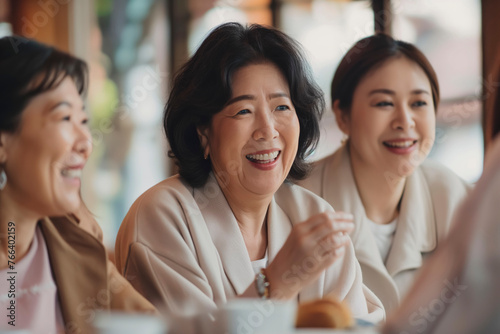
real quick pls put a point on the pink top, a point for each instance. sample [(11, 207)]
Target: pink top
[(36, 303)]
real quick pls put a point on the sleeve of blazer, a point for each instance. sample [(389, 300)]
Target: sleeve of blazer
[(448, 190), (157, 253), (123, 296)]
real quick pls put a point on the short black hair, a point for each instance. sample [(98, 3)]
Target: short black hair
[(29, 68), (366, 55), (495, 128), (202, 88)]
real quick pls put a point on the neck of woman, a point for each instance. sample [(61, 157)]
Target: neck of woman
[(17, 228), (251, 214), (379, 193)]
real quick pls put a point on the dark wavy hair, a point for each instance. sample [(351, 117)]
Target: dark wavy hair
[(29, 68), (202, 88), (368, 54)]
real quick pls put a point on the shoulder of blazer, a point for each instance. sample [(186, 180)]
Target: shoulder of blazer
[(444, 182), (447, 191), (171, 198), (171, 194), (315, 180)]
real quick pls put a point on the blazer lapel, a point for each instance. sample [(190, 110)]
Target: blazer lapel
[(78, 262), (225, 234), (338, 175), (279, 226), (416, 231)]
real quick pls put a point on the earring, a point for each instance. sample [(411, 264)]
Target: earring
[(3, 179), (205, 156), (344, 139)]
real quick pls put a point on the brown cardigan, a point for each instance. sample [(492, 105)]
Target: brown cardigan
[(86, 281)]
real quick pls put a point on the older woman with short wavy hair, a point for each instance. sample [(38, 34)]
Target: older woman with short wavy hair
[(241, 118)]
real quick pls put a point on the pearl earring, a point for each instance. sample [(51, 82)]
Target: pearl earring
[(3, 179), (344, 139)]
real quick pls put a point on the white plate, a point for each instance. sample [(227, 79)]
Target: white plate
[(359, 330)]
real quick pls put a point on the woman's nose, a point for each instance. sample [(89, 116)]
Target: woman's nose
[(265, 127), (83, 143), (404, 118)]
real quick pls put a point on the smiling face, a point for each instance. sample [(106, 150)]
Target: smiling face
[(253, 140), (43, 160), (391, 124)]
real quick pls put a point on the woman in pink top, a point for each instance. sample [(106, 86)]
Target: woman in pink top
[(53, 273)]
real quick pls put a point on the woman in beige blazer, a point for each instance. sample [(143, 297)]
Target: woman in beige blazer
[(385, 96), (457, 289), (55, 272), (231, 224)]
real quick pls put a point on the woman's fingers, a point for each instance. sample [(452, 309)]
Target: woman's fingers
[(333, 223), (320, 240), (334, 241)]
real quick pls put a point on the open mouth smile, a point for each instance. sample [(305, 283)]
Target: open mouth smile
[(263, 158), (401, 146), (71, 173), (264, 161)]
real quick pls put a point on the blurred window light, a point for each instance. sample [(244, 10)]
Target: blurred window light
[(209, 14), (5, 29), (326, 30)]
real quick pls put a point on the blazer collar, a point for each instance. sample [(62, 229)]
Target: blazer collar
[(416, 230), (225, 234), (227, 238), (78, 262)]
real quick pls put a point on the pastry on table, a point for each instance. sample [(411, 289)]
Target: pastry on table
[(324, 313)]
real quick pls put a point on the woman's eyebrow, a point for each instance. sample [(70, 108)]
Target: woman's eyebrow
[(383, 91), (240, 98), (276, 95), (420, 91), (391, 92), (62, 103)]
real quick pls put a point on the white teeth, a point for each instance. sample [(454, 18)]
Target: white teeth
[(72, 173), (400, 144), (263, 157)]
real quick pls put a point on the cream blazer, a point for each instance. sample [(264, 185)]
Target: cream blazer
[(181, 248), (430, 197), (458, 286)]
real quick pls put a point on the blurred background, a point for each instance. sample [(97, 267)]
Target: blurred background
[(134, 47)]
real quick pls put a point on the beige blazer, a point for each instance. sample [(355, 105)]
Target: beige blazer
[(86, 281), (430, 197), (457, 289), (181, 247)]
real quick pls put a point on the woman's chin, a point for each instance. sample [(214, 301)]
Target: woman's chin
[(67, 205), (263, 188)]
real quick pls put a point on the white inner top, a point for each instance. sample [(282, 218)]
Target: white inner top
[(257, 265), (384, 236)]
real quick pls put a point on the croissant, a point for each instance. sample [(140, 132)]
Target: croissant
[(324, 313)]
